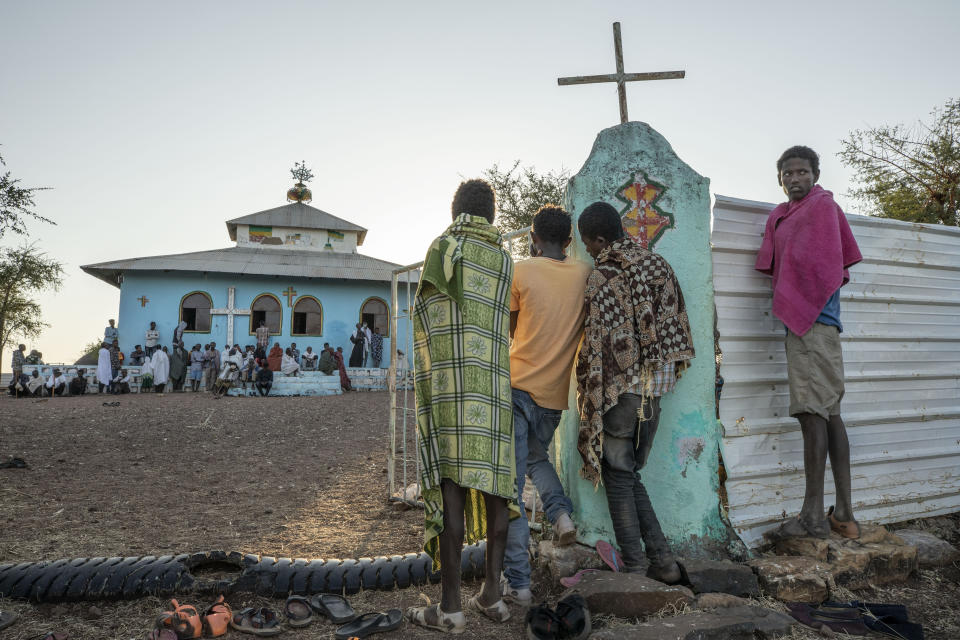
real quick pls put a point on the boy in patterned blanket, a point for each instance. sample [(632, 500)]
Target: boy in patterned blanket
[(636, 341)]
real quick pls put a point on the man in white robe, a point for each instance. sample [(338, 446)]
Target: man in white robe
[(104, 372), (366, 343), (160, 363), (35, 384), (288, 365)]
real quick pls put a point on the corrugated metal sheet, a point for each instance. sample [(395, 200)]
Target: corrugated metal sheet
[(901, 348), (255, 261), (297, 215)]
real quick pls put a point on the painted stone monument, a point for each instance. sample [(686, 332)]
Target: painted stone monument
[(665, 207)]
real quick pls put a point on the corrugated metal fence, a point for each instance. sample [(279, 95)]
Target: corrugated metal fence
[(901, 349)]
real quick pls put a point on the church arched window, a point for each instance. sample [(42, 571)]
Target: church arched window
[(307, 317), (195, 311), (374, 313), (266, 307)]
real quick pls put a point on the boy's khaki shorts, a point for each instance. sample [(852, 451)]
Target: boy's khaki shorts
[(815, 371)]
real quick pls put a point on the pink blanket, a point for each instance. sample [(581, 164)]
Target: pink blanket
[(807, 247)]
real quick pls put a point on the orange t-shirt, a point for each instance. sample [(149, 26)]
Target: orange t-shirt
[(548, 294)]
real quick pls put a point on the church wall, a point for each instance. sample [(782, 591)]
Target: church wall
[(296, 239), (341, 301)]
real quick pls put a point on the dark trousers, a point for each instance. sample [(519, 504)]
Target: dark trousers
[(627, 440), (57, 390), (264, 387)]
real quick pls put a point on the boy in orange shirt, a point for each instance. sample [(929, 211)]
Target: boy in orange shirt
[(546, 324)]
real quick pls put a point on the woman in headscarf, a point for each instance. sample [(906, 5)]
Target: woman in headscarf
[(104, 372), (160, 363), (146, 375), (344, 380), (275, 358), (359, 340)]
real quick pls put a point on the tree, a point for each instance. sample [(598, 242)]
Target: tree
[(24, 272), (520, 192), (909, 172), (91, 348), (16, 205)]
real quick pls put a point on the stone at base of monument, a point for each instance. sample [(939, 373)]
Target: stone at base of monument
[(629, 595), (793, 578), (932, 552), (877, 557), (735, 623), (561, 562), (719, 575)]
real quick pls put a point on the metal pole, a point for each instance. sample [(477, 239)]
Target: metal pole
[(392, 387)]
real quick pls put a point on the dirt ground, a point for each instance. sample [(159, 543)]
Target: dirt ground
[(294, 477)]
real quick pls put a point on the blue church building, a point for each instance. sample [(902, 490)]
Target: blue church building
[(294, 267)]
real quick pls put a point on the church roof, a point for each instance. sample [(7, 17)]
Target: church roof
[(297, 215), (257, 260)]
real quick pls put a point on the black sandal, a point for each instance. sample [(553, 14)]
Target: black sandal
[(371, 623), (334, 607)]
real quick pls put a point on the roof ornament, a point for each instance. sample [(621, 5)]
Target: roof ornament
[(299, 192)]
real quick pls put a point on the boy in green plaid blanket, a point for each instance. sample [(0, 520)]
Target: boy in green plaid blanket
[(464, 408)]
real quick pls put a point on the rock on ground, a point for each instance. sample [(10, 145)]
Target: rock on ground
[(793, 578), (628, 595), (720, 575), (932, 552), (735, 623), (561, 562)]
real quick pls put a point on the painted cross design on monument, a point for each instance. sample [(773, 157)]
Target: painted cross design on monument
[(230, 311), (620, 77), (643, 219), (143, 300), (289, 293)]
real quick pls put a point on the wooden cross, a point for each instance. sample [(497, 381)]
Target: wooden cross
[(230, 311), (290, 292), (620, 77), (143, 300)]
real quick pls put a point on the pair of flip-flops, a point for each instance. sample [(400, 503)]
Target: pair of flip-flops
[(610, 556), (299, 612), (13, 463), (186, 623)]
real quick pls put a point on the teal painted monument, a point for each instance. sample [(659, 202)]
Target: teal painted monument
[(294, 267), (664, 206)]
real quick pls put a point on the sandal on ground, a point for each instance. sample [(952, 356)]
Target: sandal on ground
[(574, 617), (7, 618), (13, 463), (334, 607), (498, 611), (433, 618), (371, 623), (297, 611), (542, 623), (259, 622), (610, 556), (183, 620), (575, 579), (216, 620), (849, 529)]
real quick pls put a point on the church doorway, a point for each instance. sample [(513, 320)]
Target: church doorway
[(374, 313), (266, 308)]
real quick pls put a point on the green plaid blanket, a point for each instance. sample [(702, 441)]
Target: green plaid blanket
[(461, 343)]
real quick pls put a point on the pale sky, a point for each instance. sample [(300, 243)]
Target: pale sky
[(153, 123)]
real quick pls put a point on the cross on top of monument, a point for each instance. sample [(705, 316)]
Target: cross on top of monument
[(299, 192), (620, 77)]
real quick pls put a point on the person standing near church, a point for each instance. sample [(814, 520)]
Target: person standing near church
[(263, 339), (151, 338), (19, 359), (110, 333), (358, 337), (179, 359), (160, 363), (546, 324), (376, 347), (367, 339), (807, 248), (636, 340), (464, 413), (116, 359), (197, 365), (104, 370)]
